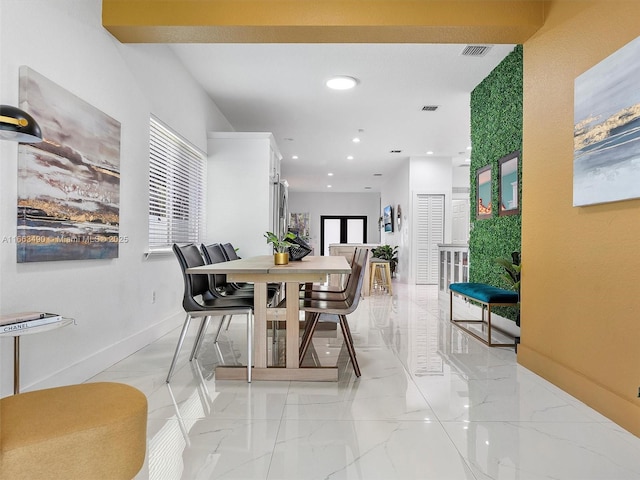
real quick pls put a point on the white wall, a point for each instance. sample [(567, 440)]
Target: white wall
[(110, 299), (396, 192), (317, 204), (240, 190)]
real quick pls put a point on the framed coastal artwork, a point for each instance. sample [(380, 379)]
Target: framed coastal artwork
[(483, 192), (508, 184), (69, 184), (387, 215), (606, 159)]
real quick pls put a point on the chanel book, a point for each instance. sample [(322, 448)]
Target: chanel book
[(25, 320)]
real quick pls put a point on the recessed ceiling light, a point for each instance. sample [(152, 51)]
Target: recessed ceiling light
[(330, 174), (429, 152), (350, 157), (356, 140), (329, 186), (367, 188), (341, 82), (377, 174), (294, 157)]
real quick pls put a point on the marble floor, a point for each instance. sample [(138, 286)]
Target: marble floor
[(432, 403)]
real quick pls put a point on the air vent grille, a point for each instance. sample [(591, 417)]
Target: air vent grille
[(475, 50), (429, 108)]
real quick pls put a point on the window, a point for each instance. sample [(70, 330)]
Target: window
[(176, 189)]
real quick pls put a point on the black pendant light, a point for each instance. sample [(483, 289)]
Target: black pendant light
[(18, 126)]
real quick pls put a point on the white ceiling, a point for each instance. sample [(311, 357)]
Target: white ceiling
[(280, 88)]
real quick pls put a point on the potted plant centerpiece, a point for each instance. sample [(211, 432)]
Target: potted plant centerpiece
[(280, 246)]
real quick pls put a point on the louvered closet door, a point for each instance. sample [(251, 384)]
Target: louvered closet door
[(429, 233)]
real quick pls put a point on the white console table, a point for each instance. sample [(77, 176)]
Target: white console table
[(16, 334)]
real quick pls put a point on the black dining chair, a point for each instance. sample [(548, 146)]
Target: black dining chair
[(214, 253), (229, 251), (197, 302), (334, 307)]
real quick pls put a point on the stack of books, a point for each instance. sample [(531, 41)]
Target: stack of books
[(23, 321)]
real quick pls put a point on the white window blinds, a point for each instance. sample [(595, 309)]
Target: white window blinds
[(176, 189)]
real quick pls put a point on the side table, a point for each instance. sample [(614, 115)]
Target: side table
[(16, 345)]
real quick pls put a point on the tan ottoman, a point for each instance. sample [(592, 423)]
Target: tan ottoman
[(88, 431)]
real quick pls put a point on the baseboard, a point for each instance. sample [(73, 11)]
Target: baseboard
[(91, 365), (620, 410)]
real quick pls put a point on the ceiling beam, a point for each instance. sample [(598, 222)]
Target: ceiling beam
[(322, 21)]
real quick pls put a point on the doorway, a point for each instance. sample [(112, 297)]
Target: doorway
[(429, 215), (342, 229)]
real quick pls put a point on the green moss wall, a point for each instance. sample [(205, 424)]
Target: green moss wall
[(496, 130)]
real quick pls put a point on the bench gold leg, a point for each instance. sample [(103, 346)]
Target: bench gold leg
[(459, 323)]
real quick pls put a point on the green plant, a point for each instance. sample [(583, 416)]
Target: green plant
[(512, 269), (280, 245), (387, 252), (512, 273), (496, 130)]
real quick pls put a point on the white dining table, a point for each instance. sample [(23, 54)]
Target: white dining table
[(260, 271)]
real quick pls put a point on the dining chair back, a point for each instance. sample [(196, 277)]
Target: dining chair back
[(212, 254), (230, 251), (197, 302), (336, 310)]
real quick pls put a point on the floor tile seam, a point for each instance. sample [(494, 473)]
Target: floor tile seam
[(417, 387), (465, 458), (526, 422), (247, 418)]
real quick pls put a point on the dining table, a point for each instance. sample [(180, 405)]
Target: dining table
[(261, 270)]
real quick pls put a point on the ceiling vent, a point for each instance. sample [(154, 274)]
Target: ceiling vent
[(475, 50), (429, 108)]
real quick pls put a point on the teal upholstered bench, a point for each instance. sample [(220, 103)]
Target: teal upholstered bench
[(487, 296)]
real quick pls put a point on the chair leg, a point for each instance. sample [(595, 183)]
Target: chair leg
[(183, 333), (249, 345), (228, 322), (348, 340), (215, 340), (309, 318), (308, 334), (199, 337)]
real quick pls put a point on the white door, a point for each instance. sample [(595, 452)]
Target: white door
[(460, 221), (331, 233), (342, 229), (429, 233)]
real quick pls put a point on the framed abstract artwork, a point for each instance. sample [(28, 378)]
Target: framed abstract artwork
[(69, 184), (606, 137)]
